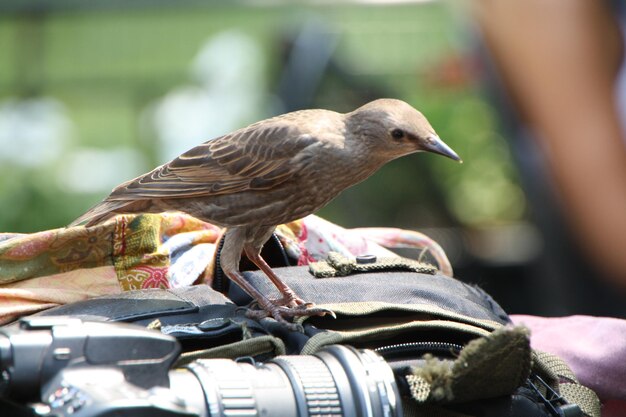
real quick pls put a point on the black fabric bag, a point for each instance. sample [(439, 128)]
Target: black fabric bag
[(452, 347)]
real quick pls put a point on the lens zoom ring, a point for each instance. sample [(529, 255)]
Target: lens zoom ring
[(232, 386), (319, 386), (237, 398)]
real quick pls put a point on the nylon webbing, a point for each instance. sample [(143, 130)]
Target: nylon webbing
[(568, 385)]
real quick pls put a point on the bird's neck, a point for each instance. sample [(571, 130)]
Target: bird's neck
[(363, 163)]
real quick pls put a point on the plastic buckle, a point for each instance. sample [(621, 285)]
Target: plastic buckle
[(553, 401)]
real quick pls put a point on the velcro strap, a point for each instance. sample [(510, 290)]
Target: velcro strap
[(487, 367), (337, 265)]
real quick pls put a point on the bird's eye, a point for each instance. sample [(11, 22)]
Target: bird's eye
[(397, 134)]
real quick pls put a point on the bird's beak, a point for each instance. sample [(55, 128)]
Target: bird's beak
[(436, 145)]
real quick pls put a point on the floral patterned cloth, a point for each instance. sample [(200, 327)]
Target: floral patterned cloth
[(45, 269)]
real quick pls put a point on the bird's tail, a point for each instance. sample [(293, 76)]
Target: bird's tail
[(109, 208)]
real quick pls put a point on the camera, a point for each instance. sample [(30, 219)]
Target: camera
[(60, 366)]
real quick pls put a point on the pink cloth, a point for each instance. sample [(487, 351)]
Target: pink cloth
[(595, 349)]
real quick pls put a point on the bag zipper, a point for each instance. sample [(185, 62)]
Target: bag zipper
[(425, 347), (219, 277)]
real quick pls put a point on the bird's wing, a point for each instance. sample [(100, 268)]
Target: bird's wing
[(258, 157)]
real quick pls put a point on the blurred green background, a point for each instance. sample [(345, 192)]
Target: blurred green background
[(95, 93), (91, 77)]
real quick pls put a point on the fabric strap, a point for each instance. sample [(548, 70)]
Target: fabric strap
[(566, 383), (337, 265)]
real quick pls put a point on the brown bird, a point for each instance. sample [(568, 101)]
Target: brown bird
[(272, 172)]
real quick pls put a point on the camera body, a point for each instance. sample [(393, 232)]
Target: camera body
[(69, 367)]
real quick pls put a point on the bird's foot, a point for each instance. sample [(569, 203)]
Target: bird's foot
[(281, 313), (291, 300)]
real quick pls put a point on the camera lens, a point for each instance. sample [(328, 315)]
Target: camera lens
[(6, 360), (338, 381)]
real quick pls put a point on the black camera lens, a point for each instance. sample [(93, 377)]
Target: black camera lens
[(69, 367), (338, 381), (6, 360)]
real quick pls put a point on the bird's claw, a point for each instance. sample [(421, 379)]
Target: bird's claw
[(281, 313)]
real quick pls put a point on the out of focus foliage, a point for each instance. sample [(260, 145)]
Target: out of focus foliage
[(92, 97)]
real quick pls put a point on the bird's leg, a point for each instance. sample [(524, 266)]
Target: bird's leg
[(269, 308), (234, 243), (290, 299), (294, 306)]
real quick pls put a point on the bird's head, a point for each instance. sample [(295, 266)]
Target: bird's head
[(392, 128)]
